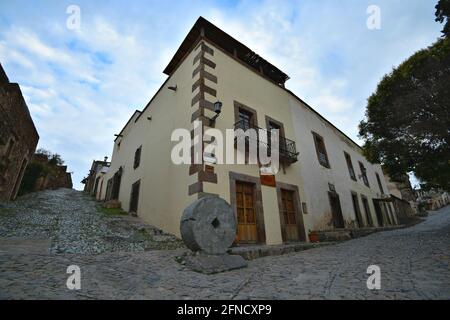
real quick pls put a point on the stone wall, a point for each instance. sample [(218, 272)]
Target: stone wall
[(18, 137), (401, 189), (3, 77), (55, 177)]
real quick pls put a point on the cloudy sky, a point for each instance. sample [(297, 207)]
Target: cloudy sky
[(82, 85)]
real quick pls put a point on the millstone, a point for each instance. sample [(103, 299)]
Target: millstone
[(208, 225)]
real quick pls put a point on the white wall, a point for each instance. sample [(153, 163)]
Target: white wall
[(316, 177)]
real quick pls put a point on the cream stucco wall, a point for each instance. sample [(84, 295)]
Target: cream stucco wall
[(163, 191), (164, 186), (317, 177), (237, 83)]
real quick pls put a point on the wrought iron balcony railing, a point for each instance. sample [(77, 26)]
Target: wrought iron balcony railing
[(287, 149)]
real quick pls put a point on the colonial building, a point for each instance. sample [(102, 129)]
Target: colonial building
[(18, 137), (324, 183), (432, 199), (92, 183)]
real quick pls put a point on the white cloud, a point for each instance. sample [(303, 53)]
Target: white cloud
[(83, 86)]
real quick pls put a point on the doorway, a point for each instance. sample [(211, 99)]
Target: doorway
[(367, 211), (336, 211), (291, 218), (117, 180), (247, 230), (357, 210), (134, 200), (378, 212)]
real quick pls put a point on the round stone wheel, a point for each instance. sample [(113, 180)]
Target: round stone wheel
[(208, 225)]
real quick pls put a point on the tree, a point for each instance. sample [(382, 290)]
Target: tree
[(53, 158), (443, 14), (407, 125), (56, 160), (44, 152)]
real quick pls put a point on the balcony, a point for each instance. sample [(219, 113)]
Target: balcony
[(287, 150)]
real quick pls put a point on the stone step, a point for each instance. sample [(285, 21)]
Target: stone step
[(347, 234), (252, 252)]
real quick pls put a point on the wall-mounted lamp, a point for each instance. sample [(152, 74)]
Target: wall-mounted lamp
[(118, 135), (173, 88), (149, 118), (217, 110)]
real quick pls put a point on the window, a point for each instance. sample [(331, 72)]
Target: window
[(321, 150), (137, 157), (379, 183), (351, 171), (245, 119), (272, 124), (364, 174), (305, 208)]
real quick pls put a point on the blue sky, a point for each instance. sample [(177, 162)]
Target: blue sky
[(81, 86)]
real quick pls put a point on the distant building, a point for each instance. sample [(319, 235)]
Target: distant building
[(403, 198), (18, 137), (92, 184), (432, 199)]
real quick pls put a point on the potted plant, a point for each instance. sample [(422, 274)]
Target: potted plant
[(313, 236)]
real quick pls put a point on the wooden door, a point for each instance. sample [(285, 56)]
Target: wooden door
[(288, 211), (357, 210), (336, 211), (367, 211), (378, 213), (246, 213)]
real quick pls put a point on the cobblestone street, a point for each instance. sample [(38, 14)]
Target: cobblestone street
[(414, 262)]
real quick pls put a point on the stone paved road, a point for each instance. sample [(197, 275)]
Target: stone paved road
[(414, 262), (73, 223)]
